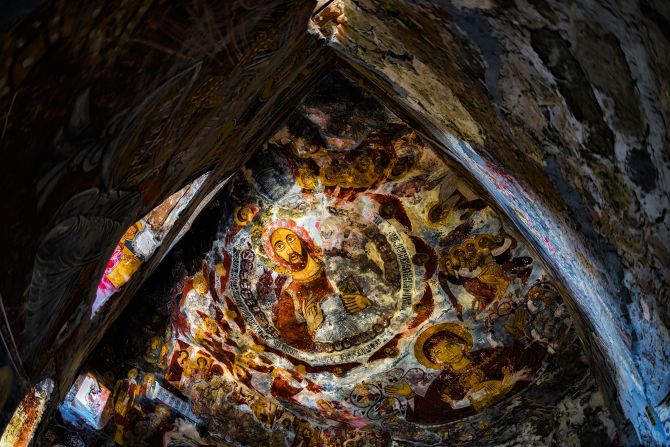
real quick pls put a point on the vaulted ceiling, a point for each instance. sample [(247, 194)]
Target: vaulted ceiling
[(553, 116)]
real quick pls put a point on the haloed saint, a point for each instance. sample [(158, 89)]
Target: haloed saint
[(298, 312)]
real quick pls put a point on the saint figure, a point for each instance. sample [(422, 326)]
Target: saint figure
[(124, 398), (469, 380), (297, 314)]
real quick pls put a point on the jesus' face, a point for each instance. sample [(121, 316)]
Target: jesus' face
[(288, 246)]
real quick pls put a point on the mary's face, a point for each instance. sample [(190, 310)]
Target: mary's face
[(288, 246), (447, 352)]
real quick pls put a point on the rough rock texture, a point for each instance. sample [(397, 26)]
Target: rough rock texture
[(562, 108), (110, 109)]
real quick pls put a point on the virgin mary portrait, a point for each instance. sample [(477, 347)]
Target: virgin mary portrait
[(469, 380)]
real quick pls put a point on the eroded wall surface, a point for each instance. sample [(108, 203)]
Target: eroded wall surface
[(564, 109)]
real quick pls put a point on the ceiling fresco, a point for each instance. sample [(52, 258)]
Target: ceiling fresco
[(350, 289), (347, 287), (339, 262), (374, 286)]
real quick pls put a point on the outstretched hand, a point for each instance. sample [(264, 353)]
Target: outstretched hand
[(354, 302), (402, 389)]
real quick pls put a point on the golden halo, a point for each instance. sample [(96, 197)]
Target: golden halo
[(453, 328), (243, 221), (256, 234)]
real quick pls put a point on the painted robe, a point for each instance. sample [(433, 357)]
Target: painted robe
[(429, 408), (287, 313)]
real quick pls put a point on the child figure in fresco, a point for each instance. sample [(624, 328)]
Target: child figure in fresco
[(484, 393)]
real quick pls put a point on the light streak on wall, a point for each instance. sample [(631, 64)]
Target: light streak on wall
[(21, 427)]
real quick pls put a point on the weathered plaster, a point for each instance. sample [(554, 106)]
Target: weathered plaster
[(575, 131)]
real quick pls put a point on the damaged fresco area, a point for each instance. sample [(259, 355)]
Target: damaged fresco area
[(140, 241), (349, 289)]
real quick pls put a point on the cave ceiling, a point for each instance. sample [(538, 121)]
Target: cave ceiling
[(347, 222), (351, 286)]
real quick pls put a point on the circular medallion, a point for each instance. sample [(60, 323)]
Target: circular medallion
[(324, 284)]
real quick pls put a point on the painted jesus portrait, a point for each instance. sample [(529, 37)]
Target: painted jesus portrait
[(298, 312)]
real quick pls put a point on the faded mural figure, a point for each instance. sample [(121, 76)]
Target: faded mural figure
[(470, 380), (178, 367), (125, 392), (298, 313), (485, 267), (199, 373)]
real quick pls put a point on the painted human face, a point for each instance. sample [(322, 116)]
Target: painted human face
[(447, 352), (460, 256), (447, 265), (288, 246), (471, 249), (245, 214), (210, 325)]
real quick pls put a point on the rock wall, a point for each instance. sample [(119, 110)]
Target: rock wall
[(109, 109), (559, 110)]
